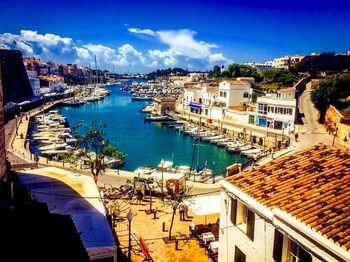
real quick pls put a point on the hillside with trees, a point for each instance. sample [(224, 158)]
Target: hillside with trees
[(326, 62), (334, 90), (236, 70), (281, 77), (167, 72), (277, 77)]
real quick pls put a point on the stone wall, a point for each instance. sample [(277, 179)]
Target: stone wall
[(15, 80), (2, 133), (339, 122), (164, 105)]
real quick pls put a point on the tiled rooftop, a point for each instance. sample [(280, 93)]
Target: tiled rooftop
[(312, 185), (286, 90), (237, 82)]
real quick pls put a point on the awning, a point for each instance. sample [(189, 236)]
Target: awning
[(195, 106), (204, 205), (76, 195)]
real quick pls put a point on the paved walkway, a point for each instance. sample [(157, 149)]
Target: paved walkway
[(144, 225), (18, 152), (236, 127), (311, 132)]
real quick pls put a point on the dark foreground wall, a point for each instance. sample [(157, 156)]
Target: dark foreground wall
[(2, 136), (15, 81)]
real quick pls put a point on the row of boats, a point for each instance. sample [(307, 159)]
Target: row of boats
[(231, 144), (89, 94), (52, 136), (146, 91), (166, 169)]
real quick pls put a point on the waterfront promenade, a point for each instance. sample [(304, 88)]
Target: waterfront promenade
[(18, 152)]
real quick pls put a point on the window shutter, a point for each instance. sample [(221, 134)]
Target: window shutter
[(277, 246), (250, 224), (233, 210), (239, 255), (304, 256)]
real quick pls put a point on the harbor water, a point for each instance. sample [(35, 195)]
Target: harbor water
[(146, 143)]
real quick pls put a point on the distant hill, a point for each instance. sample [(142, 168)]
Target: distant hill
[(167, 72), (325, 62)]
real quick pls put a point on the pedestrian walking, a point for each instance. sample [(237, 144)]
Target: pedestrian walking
[(296, 137), (186, 211), (139, 196), (182, 209)]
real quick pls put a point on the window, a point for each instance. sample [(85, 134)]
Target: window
[(286, 250), (243, 217), (239, 255), (233, 210), (245, 94), (297, 253), (262, 109), (278, 246)]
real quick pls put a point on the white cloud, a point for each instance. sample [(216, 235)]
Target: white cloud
[(182, 48), (64, 49), (103, 53), (45, 40), (83, 53), (142, 31), (217, 58), (128, 55)]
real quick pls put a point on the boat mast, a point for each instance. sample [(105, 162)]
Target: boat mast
[(96, 75), (198, 144)]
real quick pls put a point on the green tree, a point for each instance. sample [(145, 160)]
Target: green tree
[(285, 78), (269, 75), (332, 91), (325, 62), (174, 203), (93, 148)]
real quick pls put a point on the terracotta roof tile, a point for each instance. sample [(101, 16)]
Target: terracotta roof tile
[(237, 82), (313, 186)]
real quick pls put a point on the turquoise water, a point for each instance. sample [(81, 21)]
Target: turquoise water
[(145, 143)]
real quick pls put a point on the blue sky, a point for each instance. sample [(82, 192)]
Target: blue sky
[(140, 36)]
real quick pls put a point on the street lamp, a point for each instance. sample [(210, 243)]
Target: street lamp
[(334, 134), (16, 126), (213, 172), (162, 165), (129, 216)]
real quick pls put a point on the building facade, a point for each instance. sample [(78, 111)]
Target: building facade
[(276, 111), (234, 93), (292, 209), (34, 82)]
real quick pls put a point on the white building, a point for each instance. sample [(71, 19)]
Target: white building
[(295, 208), (234, 93), (286, 61), (261, 66), (52, 82), (34, 82), (276, 111)]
